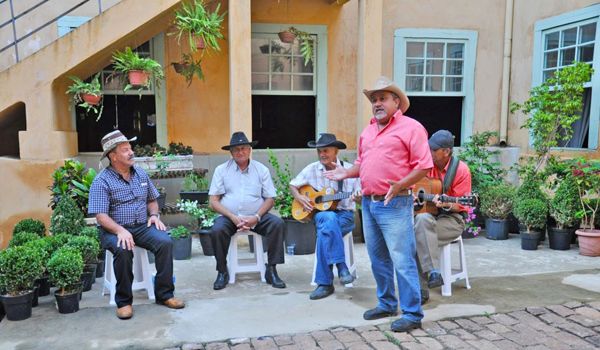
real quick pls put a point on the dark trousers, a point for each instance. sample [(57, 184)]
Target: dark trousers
[(150, 238), (270, 226)]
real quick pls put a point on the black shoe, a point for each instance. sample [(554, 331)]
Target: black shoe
[(221, 281), (322, 291), (272, 277), (345, 276), (424, 296), (435, 280), (404, 325), (378, 313)]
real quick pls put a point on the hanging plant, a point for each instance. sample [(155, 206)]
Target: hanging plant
[(304, 38), (188, 67), (87, 95), (138, 69), (202, 27)]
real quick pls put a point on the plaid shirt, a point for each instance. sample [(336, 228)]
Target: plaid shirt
[(312, 175), (124, 202)]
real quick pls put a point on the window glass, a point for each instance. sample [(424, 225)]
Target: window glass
[(441, 70)]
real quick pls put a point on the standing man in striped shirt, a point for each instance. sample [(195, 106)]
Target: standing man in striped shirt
[(123, 199)]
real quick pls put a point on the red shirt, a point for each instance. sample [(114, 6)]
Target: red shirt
[(391, 153), (461, 186)]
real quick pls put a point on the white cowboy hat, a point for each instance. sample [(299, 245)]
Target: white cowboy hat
[(386, 84), (112, 140)]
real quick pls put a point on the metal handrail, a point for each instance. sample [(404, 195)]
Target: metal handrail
[(13, 20)]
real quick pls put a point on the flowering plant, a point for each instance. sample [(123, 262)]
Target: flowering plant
[(587, 176), (470, 225), (203, 214)]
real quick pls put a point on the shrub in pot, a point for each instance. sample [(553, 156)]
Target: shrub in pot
[(72, 180), (563, 209), (194, 188), (94, 233), (65, 268), (87, 95), (182, 243), (496, 203), (88, 248), (21, 238), (587, 177), (45, 247), (19, 267), (532, 213), (66, 217), (30, 225)]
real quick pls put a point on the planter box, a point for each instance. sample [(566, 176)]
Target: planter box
[(173, 163), (201, 197)]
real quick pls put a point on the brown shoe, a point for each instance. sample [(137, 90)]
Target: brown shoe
[(125, 312), (173, 303)]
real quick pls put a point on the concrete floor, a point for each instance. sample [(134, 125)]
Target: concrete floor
[(503, 277)]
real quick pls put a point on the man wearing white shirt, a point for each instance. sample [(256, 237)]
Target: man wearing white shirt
[(242, 191)]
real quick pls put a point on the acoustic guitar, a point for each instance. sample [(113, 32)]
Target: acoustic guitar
[(325, 199), (427, 188)]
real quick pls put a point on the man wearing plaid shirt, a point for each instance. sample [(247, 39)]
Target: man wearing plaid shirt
[(123, 199)]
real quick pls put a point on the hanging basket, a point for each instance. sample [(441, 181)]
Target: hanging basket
[(287, 37), (200, 44), (179, 67), (138, 77), (91, 99)]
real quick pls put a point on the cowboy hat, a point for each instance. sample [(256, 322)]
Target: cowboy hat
[(112, 140), (237, 139), (327, 140), (385, 84)]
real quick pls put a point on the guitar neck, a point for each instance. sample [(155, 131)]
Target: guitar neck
[(443, 199), (336, 196)]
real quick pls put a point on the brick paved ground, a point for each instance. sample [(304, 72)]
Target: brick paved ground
[(569, 326)]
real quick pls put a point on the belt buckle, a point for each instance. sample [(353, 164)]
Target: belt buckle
[(373, 198)]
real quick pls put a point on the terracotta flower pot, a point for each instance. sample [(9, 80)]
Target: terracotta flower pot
[(91, 99), (200, 44), (179, 67), (138, 77), (286, 37), (589, 242)]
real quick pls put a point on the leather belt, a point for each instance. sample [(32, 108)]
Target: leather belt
[(380, 197)]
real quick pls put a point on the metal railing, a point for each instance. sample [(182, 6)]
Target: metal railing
[(13, 20)]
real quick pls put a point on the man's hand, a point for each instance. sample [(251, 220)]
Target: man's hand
[(440, 204), (156, 221), (393, 191), (246, 222), (125, 240), (306, 203), (339, 173), (356, 196)]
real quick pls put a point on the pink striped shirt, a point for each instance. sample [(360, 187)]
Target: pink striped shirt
[(391, 153)]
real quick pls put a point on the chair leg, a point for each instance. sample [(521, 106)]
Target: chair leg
[(446, 267), (232, 258), (463, 263)]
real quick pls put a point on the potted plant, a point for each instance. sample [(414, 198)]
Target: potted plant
[(204, 218), (30, 225), (300, 238), (532, 213), (182, 243), (65, 268), (21, 238), (66, 217), (138, 69), (563, 209), (46, 246), (87, 95), (306, 41), (19, 267), (88, 248), (530, 189), (72, 180), (201, 26), (160, 162), (93, 233), (194, 188), (496, 204), (587, 177), (189, 67)]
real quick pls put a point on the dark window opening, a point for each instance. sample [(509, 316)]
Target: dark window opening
[(283, 121), (132, 115), (12, 120), (581, 128), (437, 113)]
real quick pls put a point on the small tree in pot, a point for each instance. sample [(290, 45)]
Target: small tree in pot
[(19, 267), (46, 247), (30, 225), (563, 209), (66, 217), (496, 204), (532, 213), (65, 268), (88, 248), (93, 233), (587, 177)]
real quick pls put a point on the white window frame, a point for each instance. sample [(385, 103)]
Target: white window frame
[(571, 19), (466, 37)]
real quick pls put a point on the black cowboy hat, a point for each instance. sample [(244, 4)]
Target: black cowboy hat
[(327, 140), (237, 139)]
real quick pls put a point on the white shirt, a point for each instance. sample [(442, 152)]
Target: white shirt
[(312, 175), (243, 191)]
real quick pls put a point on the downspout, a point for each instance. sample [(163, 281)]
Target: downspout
[(508, 29)]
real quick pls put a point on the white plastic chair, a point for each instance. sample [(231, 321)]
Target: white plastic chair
[(448, 274), (236, 265), (142, 274), (349, 258)]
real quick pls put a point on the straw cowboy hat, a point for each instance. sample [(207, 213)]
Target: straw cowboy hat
[(237, 139), (327, 140), (385, 84), (112, 140)]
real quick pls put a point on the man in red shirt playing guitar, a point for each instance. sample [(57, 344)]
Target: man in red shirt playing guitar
[(433, 231)]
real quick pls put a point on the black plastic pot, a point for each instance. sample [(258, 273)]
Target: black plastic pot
[(43, 286), (99, 268), (93, 268), (560, 239), (67, 303), (496, 229), (300, 238), (86, 280), (35, 299), (530, 240), (206, 243), (182, 248), (18, 307), (201, 196)]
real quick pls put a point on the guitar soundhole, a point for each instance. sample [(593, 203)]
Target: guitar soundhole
[(319, 199)]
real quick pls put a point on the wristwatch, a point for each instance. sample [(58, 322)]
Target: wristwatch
[(155, 214), (258, 217)]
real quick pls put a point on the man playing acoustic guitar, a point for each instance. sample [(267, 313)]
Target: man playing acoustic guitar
[(331, 225), (434, 231)]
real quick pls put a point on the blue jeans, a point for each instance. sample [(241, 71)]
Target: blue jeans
[(331, 228), (390, 240)]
